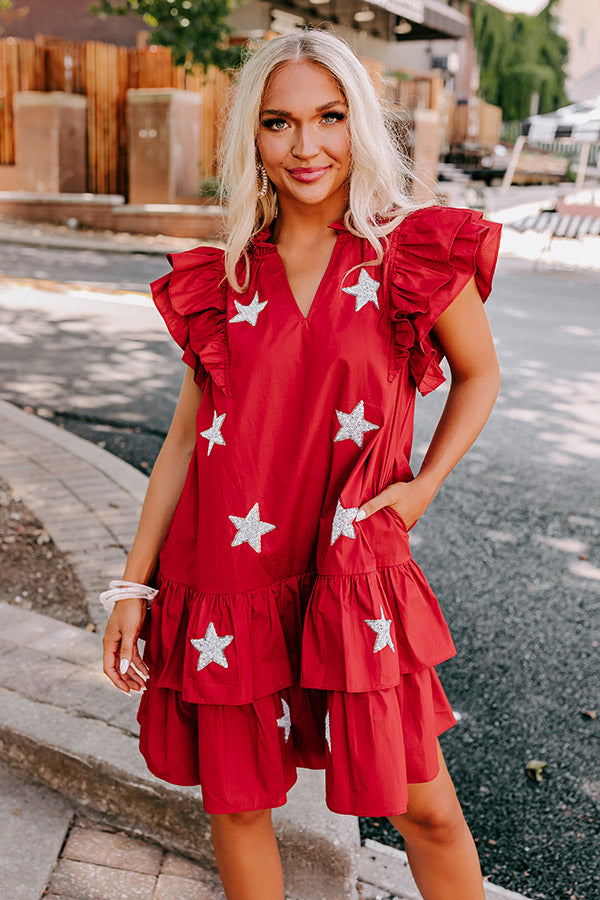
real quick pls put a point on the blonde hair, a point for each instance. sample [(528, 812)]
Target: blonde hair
[(379, 171)]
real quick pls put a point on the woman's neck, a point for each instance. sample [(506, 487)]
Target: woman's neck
[(305, 224)]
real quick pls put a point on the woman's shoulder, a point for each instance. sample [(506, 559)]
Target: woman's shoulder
[(196, 281), (206, 257), (433, 254), (443, 239), (442, 223), (434, 251)]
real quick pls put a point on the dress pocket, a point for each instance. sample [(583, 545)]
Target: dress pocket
[(396, 517), (385, 534)]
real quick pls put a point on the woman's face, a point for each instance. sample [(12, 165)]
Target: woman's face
[(303, 137)]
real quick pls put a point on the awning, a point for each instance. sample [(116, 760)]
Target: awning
[(578, 121), (429, 18), (426, 19)]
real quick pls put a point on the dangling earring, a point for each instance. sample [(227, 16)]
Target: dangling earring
[(262, 173)]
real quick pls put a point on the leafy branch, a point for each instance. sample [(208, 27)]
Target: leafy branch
[(196, 31)]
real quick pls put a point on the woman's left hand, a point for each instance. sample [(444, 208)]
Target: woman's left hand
[(409, 499)]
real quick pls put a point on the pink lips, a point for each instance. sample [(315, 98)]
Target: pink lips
[(308, 173)]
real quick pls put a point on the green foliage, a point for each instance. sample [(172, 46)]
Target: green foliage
[(195, 30), (210, 187), (518, 56)]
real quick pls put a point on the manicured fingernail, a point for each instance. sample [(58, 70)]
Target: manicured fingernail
[(360, 515), (124, 666)]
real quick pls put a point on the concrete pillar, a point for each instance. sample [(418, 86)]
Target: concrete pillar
[(163, 135), (50, 141), (512, 163), (426, 150)]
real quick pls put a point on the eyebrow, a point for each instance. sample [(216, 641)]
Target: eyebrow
[(288, 115)]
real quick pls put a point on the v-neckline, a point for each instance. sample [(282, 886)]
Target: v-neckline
[(320, 287)]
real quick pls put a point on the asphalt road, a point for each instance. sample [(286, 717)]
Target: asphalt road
[(511, 544)]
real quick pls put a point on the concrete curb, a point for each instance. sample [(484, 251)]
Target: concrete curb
[(87, 499), (62, 751), (384, 875), (560, 256), (496, 207), (95, 244), (125, 476)]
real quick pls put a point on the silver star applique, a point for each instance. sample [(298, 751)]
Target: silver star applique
[(250, 311), (327, 731), (285, 721), (250, 529), (213, 434), (342, 522), (365, 290), (353, 425), (211, 648), (381, 627)]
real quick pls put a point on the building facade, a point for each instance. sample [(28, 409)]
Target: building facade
[(417, 35), (580, 25), (70, 20)]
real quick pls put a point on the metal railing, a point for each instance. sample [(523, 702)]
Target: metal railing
[(567, 148)]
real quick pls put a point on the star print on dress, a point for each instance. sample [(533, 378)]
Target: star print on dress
[(382, 628), (365, 290), (250, 529), (211, 648), (213, 434), (353, 425), (285, 721), (327, 730), (342, 522), (248, 312)]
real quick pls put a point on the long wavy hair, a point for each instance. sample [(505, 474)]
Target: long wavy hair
[(379, 170)]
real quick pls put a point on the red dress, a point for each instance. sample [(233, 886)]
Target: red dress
[(284, 632)]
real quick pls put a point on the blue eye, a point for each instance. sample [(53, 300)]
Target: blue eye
[(273, 124), (336, 116)]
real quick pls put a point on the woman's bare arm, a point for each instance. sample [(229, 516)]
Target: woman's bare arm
[(465, 337), (163, 493)]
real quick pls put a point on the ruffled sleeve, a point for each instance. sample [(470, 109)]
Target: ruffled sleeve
[(433, 255), (192, 300)]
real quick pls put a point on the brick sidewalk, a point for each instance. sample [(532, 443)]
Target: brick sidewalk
[(98, 862), (88, 501), (60, 665)]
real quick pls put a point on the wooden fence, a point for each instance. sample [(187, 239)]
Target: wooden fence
[(104, 72)]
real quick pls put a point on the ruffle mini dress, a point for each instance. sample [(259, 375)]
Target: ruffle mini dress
[(285, 634)]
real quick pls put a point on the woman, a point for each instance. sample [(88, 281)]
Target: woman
[(291, 626)]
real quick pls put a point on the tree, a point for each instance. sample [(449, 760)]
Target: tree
[(195, 30), (520, 56)]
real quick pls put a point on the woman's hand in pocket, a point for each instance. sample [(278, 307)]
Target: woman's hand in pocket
[(408, 499)]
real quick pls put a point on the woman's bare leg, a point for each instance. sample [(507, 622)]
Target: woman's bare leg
[(247, 855), (440, 848)]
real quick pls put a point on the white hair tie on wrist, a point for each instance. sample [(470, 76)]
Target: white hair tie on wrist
[(124, 590)]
